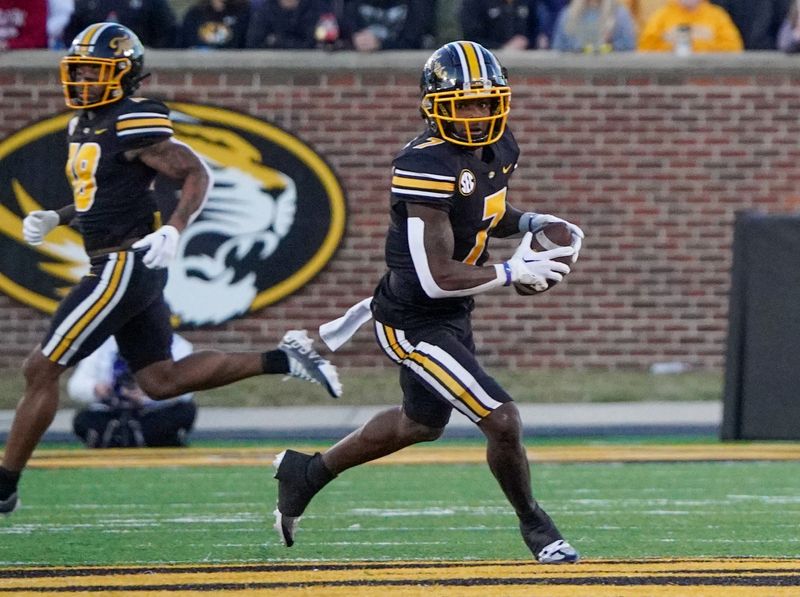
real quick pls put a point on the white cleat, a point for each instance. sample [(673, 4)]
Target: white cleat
[(305, 363), (286, 527), (558, 552)]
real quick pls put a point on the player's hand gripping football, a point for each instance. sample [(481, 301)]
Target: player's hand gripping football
[(37, 224), (163, 244), (535, 268), (537, 221)]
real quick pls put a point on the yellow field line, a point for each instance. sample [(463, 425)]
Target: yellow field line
[(601, 578), (167, 457)]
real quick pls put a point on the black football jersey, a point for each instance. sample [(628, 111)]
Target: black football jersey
[(113, 197), (471, 187)]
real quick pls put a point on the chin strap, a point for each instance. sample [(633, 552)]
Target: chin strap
[(134, 84)]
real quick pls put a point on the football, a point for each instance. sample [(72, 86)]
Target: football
[(548, 237)]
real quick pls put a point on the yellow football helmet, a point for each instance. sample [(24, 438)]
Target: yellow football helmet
[(456, 73), (117, 54)]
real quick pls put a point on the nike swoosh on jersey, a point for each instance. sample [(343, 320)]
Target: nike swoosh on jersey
[(507, 168), (99, 131)]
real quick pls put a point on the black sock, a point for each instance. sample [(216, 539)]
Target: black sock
[(8, 482), (274, 361), (317, 474)]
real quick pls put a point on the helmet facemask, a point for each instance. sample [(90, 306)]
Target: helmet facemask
[(116, 57), (444, 111), (110, 72)]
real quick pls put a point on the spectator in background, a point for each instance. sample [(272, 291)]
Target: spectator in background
[(23, 24), (118, 413), (543, 23), (58, 14), (789, 35), (757, 20), (215, 24), (291, 24), (594, 26), (708, 27), (371, 25), (497, 24), (153, 21), (642, 10)]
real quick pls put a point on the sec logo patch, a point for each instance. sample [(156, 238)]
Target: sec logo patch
[(466, 182), (273, 219)]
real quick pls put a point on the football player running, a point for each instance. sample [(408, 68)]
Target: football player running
[(117, 145), (448, 197)]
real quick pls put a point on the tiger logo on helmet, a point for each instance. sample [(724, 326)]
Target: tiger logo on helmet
[(118, 58), (455, 74)]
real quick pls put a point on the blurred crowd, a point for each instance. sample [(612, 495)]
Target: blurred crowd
[(585, 26)]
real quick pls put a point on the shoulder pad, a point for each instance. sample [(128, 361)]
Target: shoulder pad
[(423, 175), (142, 117)]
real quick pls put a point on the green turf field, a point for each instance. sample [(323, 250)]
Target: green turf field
[(193, 514)]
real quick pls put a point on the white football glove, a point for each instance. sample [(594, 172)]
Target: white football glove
[(535, 268), (37, 224), (536, 221), (163, 244)]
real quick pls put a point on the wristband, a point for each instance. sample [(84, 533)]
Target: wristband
[(507, 270), (527, 221)]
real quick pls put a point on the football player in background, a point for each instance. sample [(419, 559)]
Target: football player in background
[(448, 197), (117, 145)]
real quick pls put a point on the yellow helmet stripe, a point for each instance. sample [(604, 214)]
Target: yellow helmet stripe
[(472, 62), (91, 32)]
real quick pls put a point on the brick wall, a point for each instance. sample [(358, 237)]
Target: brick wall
[(651, 155)]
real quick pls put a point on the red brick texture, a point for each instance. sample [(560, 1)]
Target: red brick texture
[(652, 166)]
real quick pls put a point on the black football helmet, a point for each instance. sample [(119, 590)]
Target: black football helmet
[(457, 72), (119, 57)]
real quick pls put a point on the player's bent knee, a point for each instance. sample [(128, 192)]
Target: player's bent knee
[(503, 424), (38, 369), (159, 389), (158, 383), (418, 432)]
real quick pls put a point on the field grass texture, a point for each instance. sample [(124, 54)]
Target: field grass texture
[(99, 508)]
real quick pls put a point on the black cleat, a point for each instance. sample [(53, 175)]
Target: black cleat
[(300, 477), (8, 505), (545, 542), (305, 363)]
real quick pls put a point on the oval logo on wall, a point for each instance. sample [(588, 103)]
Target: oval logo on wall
[(273, 219)]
